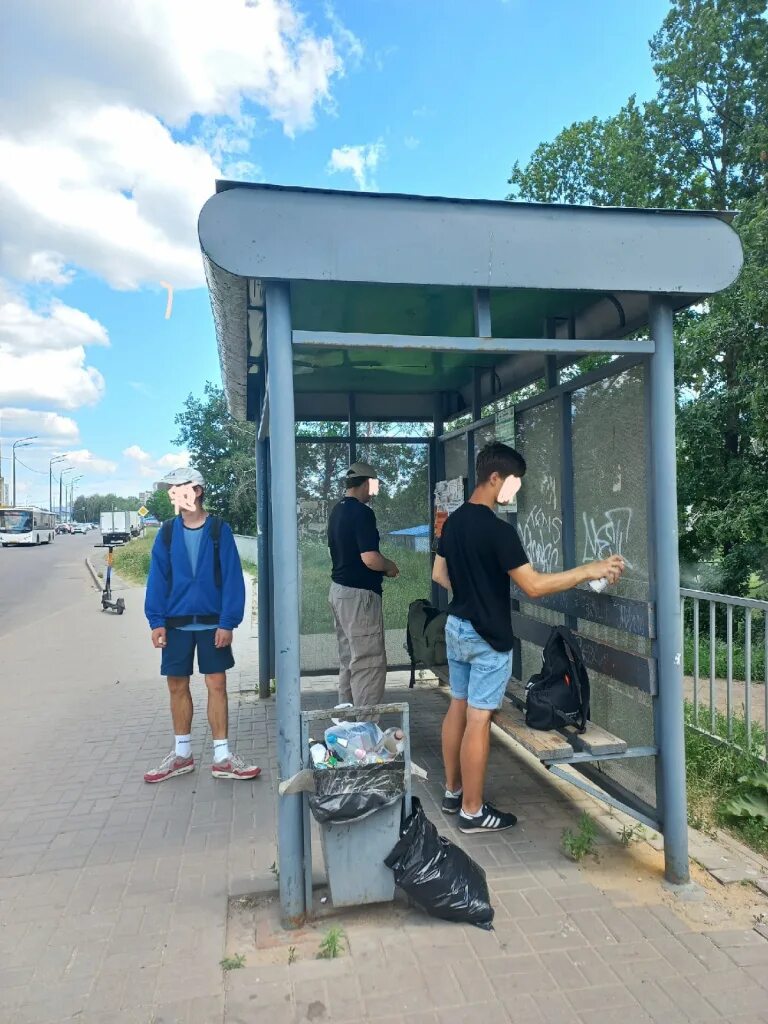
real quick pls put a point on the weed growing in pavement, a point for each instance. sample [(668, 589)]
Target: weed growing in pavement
[(629, 834), (332, 945), (578, 844), (232, 963), (275, 870), (291, 954)]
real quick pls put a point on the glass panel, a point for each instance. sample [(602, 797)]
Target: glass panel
[(455, 452), (402, 514), (610, 497)]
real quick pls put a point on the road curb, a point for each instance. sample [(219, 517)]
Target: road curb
[(94, 575)]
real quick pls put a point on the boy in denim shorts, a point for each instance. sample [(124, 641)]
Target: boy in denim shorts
[(477, 555)]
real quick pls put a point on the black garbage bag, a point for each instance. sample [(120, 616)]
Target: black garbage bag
[(438, 875), (351, 794)]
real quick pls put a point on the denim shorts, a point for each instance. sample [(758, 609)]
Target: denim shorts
[(478, 673), (178, 658)]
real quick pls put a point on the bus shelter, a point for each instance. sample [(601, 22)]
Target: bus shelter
[(437, 325)]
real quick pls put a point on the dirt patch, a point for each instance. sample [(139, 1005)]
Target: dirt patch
[(635, 876)]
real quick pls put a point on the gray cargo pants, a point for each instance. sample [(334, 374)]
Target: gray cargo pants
[(362, 656)]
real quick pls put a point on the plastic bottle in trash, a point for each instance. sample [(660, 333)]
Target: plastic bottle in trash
[(392, 743), (347, 737), (319, 754)]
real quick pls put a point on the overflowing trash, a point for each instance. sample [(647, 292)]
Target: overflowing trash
[(437, 875), (356, 744)]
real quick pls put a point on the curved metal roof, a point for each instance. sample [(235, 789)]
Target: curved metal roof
[(592, 265)]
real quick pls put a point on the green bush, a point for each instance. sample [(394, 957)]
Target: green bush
[(132, 561), (721, 653), (715, 772)]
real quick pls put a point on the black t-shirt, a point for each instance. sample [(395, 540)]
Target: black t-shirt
[(480, 549), (352, 530)]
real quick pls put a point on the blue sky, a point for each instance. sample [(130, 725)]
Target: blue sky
[(111, 135)]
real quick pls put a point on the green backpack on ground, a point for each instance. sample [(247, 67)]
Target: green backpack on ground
[(425, 636)]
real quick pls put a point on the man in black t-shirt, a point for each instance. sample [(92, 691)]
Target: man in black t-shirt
[(355, 597), (477, 555)]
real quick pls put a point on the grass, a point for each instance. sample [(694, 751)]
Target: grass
[(578, 844), (332, 944), (132, 561), (714, 771), (232, 963), (413, 583)]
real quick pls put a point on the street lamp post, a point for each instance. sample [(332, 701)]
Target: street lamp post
[(23, 442), (56, 458), (69, 469), (74, 480)]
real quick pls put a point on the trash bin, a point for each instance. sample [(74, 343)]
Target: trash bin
[(359, 812)]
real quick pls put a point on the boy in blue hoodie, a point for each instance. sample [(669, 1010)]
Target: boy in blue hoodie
[(195, 599)]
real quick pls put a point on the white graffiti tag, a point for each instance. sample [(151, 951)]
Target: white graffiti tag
[(610, 537), (540, 534)]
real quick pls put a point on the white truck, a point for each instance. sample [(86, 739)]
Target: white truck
[(136, 524), (115, 527)]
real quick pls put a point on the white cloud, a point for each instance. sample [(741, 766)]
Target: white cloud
[(411, 142), (360, 161), (90, 172), (141, 388), (174, 460), (43, 354), (89, 463), (136, 453), (46, 427)]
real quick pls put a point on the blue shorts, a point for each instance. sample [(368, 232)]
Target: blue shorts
[(478, 673), (179, 653)]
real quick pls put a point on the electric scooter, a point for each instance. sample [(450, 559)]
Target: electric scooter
[(107, 603)]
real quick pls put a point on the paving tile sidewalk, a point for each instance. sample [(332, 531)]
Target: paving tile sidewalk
[(113, 894)]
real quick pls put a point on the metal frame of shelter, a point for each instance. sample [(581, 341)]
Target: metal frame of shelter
[(357, 307)]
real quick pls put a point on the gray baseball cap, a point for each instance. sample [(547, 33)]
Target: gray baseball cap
[(184, 475), (364, 469)]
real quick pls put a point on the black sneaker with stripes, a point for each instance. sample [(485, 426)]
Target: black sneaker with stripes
[(490, 819), (451, 804)]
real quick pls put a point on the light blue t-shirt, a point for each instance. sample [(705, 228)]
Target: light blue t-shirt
[(193, 538)]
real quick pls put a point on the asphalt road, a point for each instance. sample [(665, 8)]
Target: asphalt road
[(36, 582)]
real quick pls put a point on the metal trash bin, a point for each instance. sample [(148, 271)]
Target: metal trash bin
[(354, 850)]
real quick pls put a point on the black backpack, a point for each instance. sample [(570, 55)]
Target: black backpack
[(425, 636), (559, 694), (167, 533)]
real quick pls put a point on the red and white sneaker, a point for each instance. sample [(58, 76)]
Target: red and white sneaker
[(171, 765), (234, 768)]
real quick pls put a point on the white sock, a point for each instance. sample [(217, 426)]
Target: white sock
[(221, 750), (454, 795), (183, 746), (476, 814)]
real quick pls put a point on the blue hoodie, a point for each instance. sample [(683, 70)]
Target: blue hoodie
[(198, 594)]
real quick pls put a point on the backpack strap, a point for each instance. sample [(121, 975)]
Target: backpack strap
[(215, 537), (166, 532), (573, 653)]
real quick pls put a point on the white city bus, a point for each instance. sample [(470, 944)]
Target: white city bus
[(26, 526)]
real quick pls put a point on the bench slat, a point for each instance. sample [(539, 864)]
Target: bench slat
[(547, 746), (594, 740)]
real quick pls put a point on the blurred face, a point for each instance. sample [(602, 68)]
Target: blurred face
[(508, 489), (183, 497)]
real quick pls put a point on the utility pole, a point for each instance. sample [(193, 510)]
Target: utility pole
[(69, 469)]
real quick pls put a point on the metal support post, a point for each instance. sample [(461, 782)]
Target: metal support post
[(663, 483), (262, 528), (352, 420), (290, 838), (437, 472)]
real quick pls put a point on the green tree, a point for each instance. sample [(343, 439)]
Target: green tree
[(702, 142), (159, 504)]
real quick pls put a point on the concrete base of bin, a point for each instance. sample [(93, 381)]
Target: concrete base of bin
[(354, 855)]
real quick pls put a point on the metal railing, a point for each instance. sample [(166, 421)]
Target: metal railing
[(740, 729)]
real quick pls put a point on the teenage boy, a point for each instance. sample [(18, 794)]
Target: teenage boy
[(478, 553), (195, 599)]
